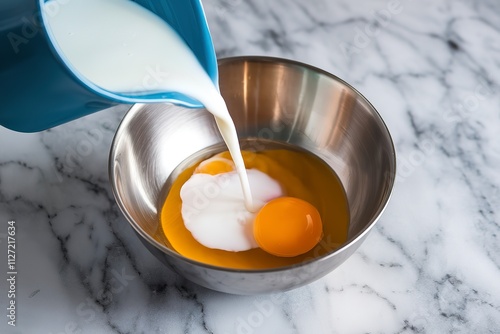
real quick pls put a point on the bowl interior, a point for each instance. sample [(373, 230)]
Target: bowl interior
[(269, 99)]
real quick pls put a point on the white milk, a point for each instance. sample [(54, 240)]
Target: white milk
[(124, 48), (225, 224)]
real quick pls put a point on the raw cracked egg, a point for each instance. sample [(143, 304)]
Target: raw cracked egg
[(302, 211)]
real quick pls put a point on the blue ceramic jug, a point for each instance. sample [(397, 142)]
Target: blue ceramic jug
[(38, 90)]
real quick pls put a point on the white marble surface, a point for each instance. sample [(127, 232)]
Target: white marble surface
[(431, 265)]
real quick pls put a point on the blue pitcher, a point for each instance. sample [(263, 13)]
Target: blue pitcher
[(38, 90)]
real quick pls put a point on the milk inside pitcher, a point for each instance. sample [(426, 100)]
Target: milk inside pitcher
[(40, 90)]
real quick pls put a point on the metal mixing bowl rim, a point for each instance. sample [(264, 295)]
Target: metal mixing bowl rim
[(342, 248)]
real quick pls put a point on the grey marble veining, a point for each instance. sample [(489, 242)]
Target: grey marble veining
[(431, 265)]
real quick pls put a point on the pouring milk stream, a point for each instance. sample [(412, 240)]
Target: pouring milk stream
[(122, 47)]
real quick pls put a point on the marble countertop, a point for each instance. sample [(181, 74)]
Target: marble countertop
[(432, 263)]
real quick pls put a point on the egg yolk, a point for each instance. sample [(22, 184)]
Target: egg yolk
[(288, 227), (215, 165)]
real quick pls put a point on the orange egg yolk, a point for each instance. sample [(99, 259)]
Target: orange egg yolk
[(214, 166), (288, 227)]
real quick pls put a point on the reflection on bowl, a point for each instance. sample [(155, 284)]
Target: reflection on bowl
[(269, 99)]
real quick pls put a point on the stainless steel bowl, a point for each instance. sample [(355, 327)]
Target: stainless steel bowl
[(269, 99)]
